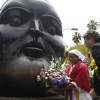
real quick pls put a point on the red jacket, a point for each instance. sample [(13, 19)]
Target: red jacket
[(79, 75)]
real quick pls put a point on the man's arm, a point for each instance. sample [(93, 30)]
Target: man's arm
[(96, 56)]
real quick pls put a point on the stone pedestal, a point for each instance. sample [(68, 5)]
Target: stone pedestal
[(43, 98)]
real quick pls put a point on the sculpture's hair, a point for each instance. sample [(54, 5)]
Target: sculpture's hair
[(94, 34)]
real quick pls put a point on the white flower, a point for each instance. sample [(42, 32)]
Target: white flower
[(46, 78), (61, 70), (53, 69), (52, 64), (50, 68), (55, 74), (48, 74)]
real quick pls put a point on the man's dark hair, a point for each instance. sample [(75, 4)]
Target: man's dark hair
[(94, 34)]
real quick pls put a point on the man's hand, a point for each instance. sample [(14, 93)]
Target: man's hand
[(52, 91), (61, 90), (93, 94)]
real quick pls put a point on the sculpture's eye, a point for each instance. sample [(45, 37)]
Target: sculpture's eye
[(15, 17), (15, 21), (51, 25), (51, 30)]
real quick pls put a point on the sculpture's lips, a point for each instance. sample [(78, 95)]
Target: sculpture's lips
[(34, 50)]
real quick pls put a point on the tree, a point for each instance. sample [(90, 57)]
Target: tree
[(76, 37), (92, 25), (81, 47)]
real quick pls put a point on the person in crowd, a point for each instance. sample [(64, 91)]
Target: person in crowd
[(92, 41), (78, 88), (90, 73), (88, 58), (66, 55)]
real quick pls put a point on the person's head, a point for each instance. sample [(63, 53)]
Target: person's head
[(90, 38), (66, 55), (30, 34), (89, 55), (75, 55)]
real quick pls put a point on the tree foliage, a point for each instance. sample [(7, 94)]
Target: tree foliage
[(92, 25), (76, 37), (82, 48)]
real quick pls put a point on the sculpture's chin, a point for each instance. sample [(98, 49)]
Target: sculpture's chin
[(20, 76)]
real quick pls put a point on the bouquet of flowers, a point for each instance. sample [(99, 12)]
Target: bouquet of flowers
[(54, 77)]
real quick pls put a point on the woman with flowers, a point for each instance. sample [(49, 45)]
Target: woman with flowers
[(78, 88)]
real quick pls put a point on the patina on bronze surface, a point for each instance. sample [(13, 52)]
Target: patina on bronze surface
[(30, 34)]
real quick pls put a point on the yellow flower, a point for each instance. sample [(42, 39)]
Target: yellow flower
[(96, 69), (94, 66)]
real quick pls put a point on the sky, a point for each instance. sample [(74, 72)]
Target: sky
[(74, 14)]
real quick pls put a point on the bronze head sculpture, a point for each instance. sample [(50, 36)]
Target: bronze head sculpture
[(30, 34)]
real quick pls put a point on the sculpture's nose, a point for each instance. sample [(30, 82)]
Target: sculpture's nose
[(35, 29)]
